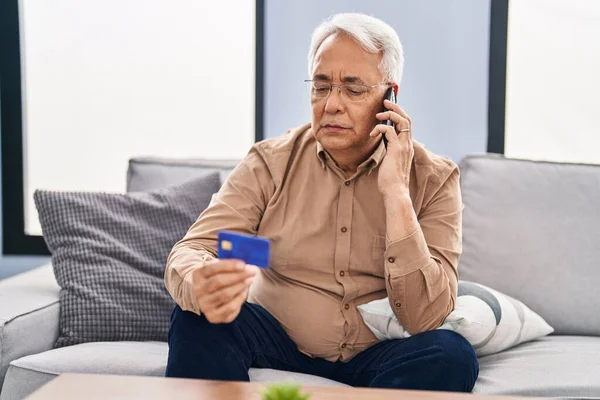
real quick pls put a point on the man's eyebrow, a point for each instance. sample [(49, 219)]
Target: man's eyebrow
[(352, 79), (322, 77), (346, 79)]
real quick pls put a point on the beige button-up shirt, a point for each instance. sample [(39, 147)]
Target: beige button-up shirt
[(329, 251)]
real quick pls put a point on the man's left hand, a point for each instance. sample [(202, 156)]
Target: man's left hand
[(394, 171)]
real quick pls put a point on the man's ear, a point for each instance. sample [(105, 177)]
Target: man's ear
[(395, 90)]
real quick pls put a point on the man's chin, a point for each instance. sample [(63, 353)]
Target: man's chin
[(335, 140), (335, 143)]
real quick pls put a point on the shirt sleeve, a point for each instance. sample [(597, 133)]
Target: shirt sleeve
[(238, 206), (421, 269)]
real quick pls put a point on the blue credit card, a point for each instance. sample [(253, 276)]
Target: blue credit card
[(252, 250)]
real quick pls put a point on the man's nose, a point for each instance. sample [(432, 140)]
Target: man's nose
[(334, 102)]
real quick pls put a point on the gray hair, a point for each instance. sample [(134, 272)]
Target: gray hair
[(372, 34)]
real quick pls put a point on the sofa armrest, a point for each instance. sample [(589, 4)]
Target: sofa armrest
[(29, 309)]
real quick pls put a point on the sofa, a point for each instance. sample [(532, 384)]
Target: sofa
[(530, 230)]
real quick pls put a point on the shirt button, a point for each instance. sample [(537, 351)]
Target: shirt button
[(347, 306), (397, 304), (343, 345), (347, 183), (342, 273), (392, 259), (344, 229)]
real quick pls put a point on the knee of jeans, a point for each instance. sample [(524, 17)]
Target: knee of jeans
[(456, 352), (189, 324)]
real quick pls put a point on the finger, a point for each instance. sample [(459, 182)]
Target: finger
[(401, 123), (225, 312), (389, 132), (225, 279), (217, 266), (239, 301), (405, 128), (227, 319), (254, 268), (225, 295), (396, 108)]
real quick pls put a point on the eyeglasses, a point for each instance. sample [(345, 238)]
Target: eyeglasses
[(349, 91)]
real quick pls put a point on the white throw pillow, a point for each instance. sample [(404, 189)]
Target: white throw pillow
[(489, 320)]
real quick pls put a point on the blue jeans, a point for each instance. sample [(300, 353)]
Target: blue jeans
[(434, 360)]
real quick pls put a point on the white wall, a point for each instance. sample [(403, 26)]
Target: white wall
[(105, 80), (445, 84), (553, 80)]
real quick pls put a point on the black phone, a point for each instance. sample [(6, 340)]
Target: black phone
[(391, 96)]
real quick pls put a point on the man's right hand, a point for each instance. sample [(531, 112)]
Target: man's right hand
[(221, 288)]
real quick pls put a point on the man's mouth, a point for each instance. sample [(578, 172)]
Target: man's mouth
[(334, 127)]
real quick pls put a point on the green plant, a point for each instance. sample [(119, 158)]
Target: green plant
[(284, 391)]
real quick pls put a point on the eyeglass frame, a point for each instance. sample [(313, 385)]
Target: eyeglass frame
[(340, 85)]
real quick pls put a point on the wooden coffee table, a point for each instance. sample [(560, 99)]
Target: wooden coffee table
[(91, 387)]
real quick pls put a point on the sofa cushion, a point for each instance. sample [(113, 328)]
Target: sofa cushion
[(530, 230), (150, 173), (554, 366), (28, 315), (109, 252), (120, 358)]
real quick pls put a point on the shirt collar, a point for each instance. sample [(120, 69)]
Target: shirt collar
[(371, 163), (322, 154)]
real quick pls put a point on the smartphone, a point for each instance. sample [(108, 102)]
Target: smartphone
[(391, 96)]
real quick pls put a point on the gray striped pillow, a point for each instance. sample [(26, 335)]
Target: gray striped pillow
[(489, 320)]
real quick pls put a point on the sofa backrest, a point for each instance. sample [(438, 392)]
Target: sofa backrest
[(149, 173), (532, 230)]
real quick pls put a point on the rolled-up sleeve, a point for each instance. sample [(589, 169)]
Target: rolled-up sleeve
[(421, 269), (238, 206)]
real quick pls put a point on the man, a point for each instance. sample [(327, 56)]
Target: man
[(349, 220)]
